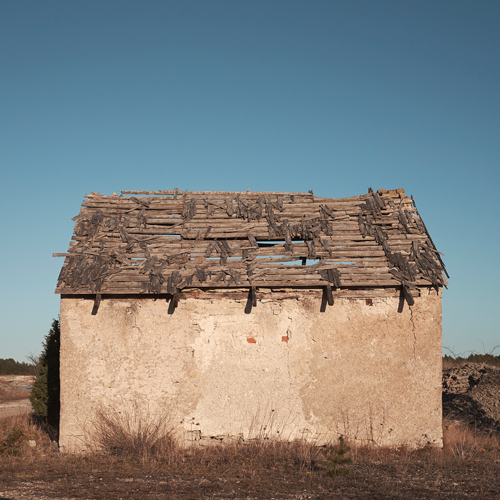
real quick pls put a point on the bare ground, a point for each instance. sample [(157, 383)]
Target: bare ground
[(415, 476), (17, 407), (14, 395), (14, 387)]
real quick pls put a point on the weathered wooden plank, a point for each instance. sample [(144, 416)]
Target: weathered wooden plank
[(214, 193), (284, 277), (135, 273), (352, 293), (287, 198), (183, 233)]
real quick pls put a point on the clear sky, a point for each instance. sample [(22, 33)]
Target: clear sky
[(334, 96)]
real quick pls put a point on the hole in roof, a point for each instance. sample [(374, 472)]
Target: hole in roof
[(309, 262), (269, 243)]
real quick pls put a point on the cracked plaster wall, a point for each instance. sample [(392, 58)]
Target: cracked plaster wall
[(364, 371)]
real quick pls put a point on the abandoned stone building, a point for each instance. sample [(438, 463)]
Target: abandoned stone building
[(245, 314)]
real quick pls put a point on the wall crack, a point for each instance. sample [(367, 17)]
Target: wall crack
[(133, 319), (412, 321)]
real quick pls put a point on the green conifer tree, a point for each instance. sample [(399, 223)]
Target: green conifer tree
[(45, 393)]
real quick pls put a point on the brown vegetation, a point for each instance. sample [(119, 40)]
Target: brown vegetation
[(145, 462), (10, 390), (139, 458), (462, 443), (144, 439)]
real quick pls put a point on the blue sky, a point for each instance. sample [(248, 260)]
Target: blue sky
[(334, 96)]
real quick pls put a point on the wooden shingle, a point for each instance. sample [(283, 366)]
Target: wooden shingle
[(145, 242)]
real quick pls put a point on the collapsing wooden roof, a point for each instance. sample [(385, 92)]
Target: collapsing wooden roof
[(145, 242)]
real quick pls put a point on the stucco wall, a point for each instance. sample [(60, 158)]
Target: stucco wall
[(364, 371)]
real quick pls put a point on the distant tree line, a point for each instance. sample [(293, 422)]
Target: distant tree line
[(487, 359), (11, 367)]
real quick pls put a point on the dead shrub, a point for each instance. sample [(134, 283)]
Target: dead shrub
[(12, 443), (134, 435), (308, 456), (23, 436), (463, 443)]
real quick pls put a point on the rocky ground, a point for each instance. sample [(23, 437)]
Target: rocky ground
[(401, 478)]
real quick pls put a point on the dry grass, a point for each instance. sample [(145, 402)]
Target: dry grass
[(252, 457), (141, 459), (149, 440), (134, 435), (9, 392), (460, 445), (152, 442), (22, 436), (451, 363), (463, 443)]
